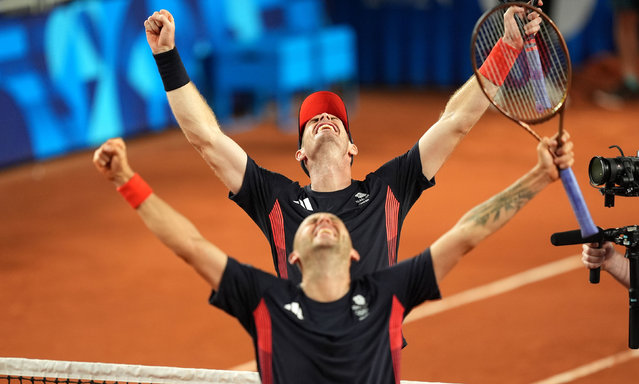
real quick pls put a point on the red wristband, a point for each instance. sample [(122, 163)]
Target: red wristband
[(135, 191), (499, 62)]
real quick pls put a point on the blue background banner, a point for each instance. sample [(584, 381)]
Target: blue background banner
[(82, 72)]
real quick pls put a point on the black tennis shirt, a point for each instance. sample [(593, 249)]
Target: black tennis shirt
[(355, 339), (372, 209)]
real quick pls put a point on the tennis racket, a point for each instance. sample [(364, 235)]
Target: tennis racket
[(526, 75)]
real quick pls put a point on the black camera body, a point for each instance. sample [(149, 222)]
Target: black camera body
[(618, 175)]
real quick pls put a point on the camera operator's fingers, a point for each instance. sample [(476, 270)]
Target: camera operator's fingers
[(590, 264), (591, 256), (591, 249), (609, 249)]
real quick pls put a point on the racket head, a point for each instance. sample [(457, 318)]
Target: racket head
[(518, 96)]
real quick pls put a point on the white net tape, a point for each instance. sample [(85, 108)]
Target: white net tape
[(121, 372), (10, 366)]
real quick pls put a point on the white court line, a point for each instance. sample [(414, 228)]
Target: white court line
[(476, 294), (495, 288), (590, 368)]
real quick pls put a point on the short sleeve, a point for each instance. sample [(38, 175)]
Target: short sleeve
[(412, 281), (405, 177), (259, 192), (240, 291)]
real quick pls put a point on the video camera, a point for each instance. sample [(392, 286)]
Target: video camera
[(618, 175)]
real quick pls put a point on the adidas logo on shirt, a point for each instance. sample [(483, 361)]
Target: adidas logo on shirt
[(306, 203), (295, 308)]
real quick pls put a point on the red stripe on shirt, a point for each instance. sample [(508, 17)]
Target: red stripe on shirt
[(277, 229), (392, 218), (264, 342), (395, 335)]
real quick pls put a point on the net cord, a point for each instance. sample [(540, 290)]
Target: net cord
[(15, 367), (121, 372)]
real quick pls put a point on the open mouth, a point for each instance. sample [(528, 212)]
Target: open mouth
[(326, 126), (324, 231)]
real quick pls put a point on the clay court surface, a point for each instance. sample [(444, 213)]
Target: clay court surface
[(82, 279)]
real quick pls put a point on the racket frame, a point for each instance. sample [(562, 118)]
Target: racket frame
[(558, 108)]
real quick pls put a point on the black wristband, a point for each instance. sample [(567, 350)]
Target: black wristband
[(171, 69)]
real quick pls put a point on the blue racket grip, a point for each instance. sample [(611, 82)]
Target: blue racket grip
[(579, 207), (542, 103)]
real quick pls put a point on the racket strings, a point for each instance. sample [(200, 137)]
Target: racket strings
[(526, 95), (508, 96)]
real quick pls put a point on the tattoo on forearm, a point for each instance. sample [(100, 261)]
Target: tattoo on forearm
[(506, 203)]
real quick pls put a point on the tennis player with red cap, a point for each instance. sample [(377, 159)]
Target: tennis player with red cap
[(372, 209)]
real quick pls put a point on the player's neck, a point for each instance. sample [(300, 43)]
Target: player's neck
[(326, 287), (330, 176)]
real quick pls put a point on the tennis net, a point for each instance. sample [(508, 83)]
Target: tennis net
[(18, 370)]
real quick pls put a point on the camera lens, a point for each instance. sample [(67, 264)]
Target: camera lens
[(599, 170)]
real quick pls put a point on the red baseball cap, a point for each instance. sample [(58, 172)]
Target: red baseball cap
[(320, 102)]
